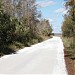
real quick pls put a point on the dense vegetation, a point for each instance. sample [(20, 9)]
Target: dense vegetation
[(68, 27), (20, 26)]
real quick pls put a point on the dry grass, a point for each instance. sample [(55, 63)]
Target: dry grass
[(71, 51)]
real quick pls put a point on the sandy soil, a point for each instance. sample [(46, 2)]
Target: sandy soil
[(69, 64)]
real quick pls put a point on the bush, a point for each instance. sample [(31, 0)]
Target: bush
[(67, 28), (4, 50), (7, 28)]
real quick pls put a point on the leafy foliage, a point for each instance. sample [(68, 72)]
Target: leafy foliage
[(68, 27), (7, 28), (18, 25)]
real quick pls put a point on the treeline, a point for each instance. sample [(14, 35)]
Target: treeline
[(68, 27), (20, 26)]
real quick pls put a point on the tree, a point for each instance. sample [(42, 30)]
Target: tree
[(67, 27), (24, 14), (7, 27), (44, 27), (70, 4)]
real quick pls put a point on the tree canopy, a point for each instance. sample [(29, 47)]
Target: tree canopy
[(19, 24)]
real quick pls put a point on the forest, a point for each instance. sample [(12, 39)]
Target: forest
[(68, 28), (21, 25)]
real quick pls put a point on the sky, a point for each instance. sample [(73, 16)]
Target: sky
[(54, 11)]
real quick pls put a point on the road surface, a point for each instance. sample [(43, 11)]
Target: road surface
[(43, 58)]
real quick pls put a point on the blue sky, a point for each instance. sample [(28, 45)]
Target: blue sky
[(53, 10)]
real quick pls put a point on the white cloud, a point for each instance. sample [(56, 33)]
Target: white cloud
[(50, 20), (65, 12), (45, 3), (61, 10)]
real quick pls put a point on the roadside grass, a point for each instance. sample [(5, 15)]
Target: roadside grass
[(67, 41), (7, 49), (13, 47), (16, 45), (69, 47)]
